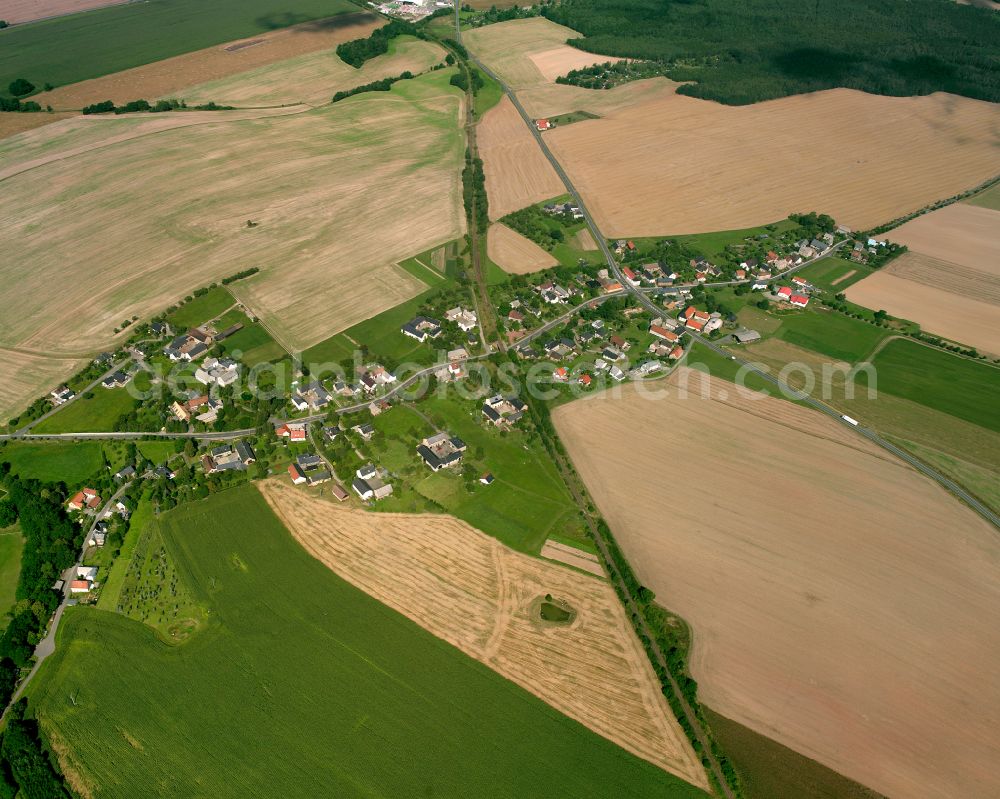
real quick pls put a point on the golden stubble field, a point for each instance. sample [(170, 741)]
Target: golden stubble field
[(947, 282), (515, 254), (841, 603), (471, 591), (313, 78), (517, 173), (674, 164), (124, 216), (468, 589)]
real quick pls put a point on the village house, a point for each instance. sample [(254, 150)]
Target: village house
[(542, 125), (501, 411), (561, 374), (585, 380), (125, 473), (330, 432), (293, 431), (227, 457), (441, 451), (220, 372), (515, 315), (631, 277), (553, 294), (612, 354), (450, 371), (695, 319), (313, 396), (374, 377), (189, 346), (616, 373), (658, 330), (116, 380), (799, 300), (744, 336), (84, 498), (422, 328), (369, 485), (465, 319), (559, 349), (366, 431), (610, 285), (61, 395), (183, 411), (310, 469)]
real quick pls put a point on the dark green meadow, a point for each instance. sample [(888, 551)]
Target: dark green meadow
[(81, 46), (301, 685)]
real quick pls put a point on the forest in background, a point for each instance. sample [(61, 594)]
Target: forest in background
[(744, 51)]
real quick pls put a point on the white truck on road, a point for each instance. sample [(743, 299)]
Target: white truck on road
[(849, 420)]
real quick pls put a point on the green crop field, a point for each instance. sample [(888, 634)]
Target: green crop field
[(96, 413), (488, 96), (201, 309), (831, 334), (80, 46), (11, 545), (301, 685), (939, 380), (113, 581), (254, 345), (823, 274), (53, 461)]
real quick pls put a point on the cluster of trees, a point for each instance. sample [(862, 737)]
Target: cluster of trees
[(375, 86), (494, 14), (546, 230), (26, 767), (253, 270), (474, 193), (20, 87), (814, 224), (462, 81), (740, 53), (51, 542), (612, 73), (14, 104), (357, 51)]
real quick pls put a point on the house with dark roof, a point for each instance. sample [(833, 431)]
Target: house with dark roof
[(441, 451), (422, 328)]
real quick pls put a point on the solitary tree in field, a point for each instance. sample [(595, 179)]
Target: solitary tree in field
[(21, 87)]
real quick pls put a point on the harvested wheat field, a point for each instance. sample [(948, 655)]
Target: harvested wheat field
[(27, 376), (170, 76), (836, 151), (967, 235), (11, 124), (515, 254), (841, 603), (946, 299), (517, 174), (483, 598), (528, 52), (17, 11), (314, 77), (333, 211)]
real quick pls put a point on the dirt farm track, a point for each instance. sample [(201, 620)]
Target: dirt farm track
[(481, 597), (871, 644)]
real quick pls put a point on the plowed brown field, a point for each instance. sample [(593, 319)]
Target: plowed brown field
[(15, 11), (513, 253), (481, 597), (841, 603), (517, 174)]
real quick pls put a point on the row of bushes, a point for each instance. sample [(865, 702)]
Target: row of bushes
[(253, 270), (24, 106), (474, 193), (375, 86), (160, 106)]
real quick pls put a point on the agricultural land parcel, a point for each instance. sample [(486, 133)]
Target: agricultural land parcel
[(513, 253), (389, 709), (827, 639), (947, 282), (313, 78), (470, 590), (517, 173), (172, 77), (83, 46), (338, 194)]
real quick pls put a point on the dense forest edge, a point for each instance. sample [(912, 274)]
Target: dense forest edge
[(737, 52)]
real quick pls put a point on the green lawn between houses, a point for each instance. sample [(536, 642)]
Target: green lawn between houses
[(96, 413), (80, 46), (53, 461), (301, 685), (941, 381)]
